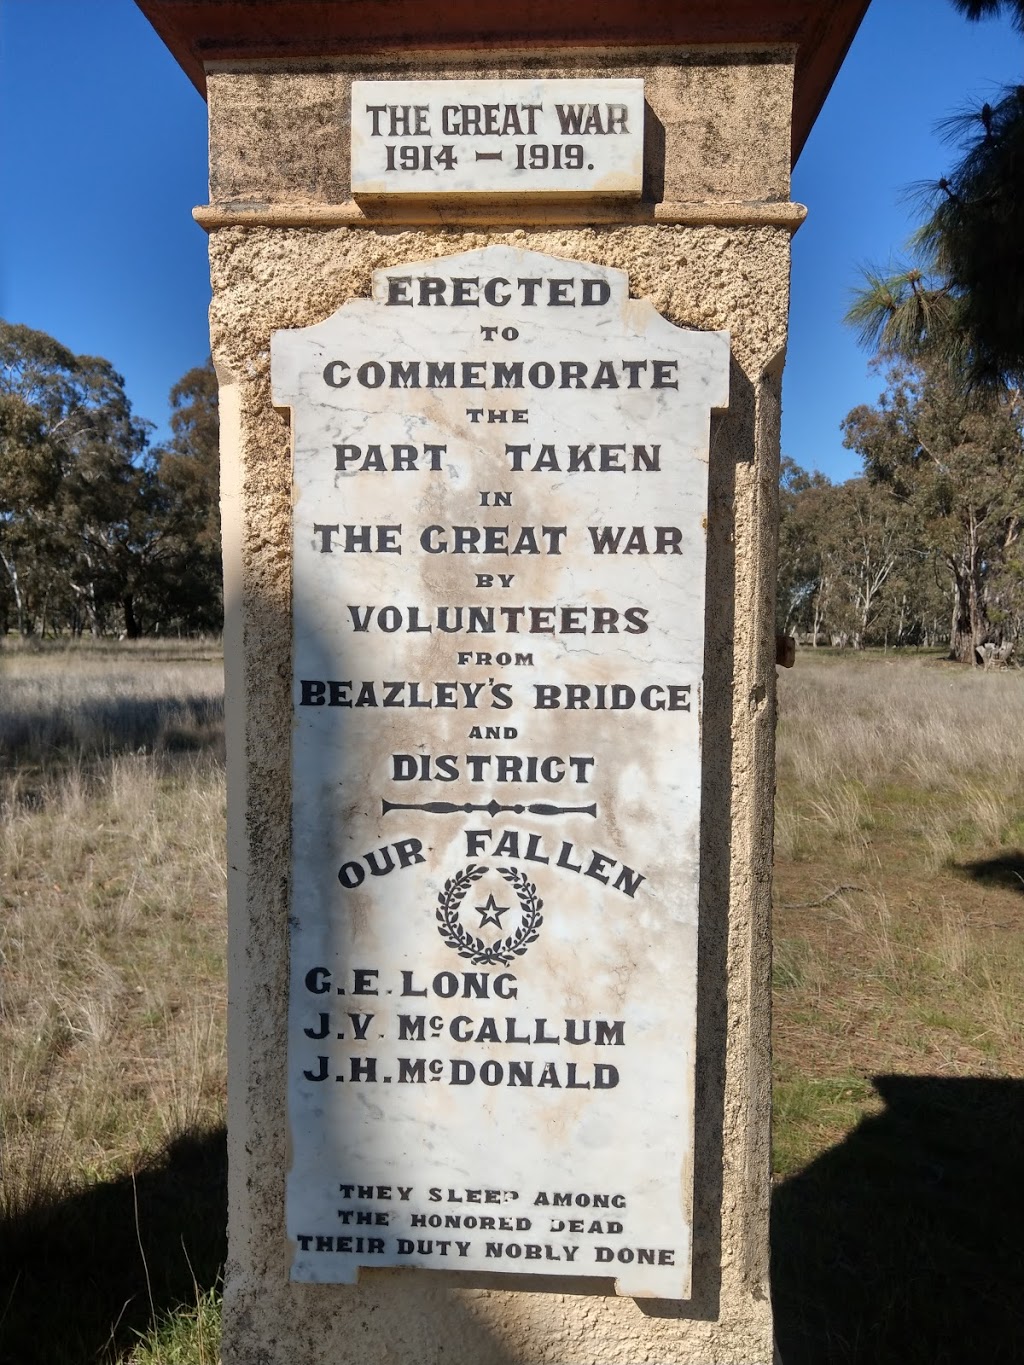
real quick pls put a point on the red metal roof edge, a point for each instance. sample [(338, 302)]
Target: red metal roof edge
[(202, 31)]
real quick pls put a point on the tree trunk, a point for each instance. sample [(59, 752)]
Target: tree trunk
[(975, 597), (131, 624), (817, 620), (12, 574), (961, 634), (86, 596)]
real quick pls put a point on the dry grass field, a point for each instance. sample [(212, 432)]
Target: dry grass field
[(901, 801), (112, 1007), (899, 972), (898, 1030)]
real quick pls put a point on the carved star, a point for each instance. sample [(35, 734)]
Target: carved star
[(491, 912)]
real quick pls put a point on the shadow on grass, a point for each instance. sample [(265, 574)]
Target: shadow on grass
[(900, 1246), (46, 737), (81, 1277), (903, 1245), (1006, 870)]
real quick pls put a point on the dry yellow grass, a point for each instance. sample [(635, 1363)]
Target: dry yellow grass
[(112, 866), (898, 1030), (899, 933), (855, 733), (112, 940)]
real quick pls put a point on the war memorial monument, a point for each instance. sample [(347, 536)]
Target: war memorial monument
[(499, 319)]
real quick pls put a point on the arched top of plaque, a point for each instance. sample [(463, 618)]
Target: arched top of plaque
[(515, 323)]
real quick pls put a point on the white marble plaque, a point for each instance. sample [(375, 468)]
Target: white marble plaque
[(540, 137), (499, 563)]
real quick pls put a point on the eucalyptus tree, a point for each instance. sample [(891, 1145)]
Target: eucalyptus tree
[(863, 538), (74, 480), (954, 463), (799, 590), (97, 531), (189, 585)]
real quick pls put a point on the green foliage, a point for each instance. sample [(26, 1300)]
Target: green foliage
[(189, 473), (974, 234), (187, 1336), (98, 533), (843, 562), (954, 463), (800, 496), (961, 301), (926, 547), (907, 313)]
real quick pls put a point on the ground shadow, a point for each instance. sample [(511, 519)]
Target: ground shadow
[(81, 1276), (1005, 870), (45, 738), (904, 1243)]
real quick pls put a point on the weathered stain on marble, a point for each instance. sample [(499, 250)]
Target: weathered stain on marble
[(500, 473)]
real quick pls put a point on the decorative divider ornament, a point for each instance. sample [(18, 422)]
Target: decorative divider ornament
[(500, 475)]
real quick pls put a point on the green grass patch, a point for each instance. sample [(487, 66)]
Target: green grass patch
[(794, 963), (808, 1114), (189, 1335)]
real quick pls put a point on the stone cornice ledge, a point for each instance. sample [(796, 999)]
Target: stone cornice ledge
[(538, 213)]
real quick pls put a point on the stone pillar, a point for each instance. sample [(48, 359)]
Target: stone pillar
[(709, 245)]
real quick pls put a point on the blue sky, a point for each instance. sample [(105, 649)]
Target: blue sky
[(104, 155)]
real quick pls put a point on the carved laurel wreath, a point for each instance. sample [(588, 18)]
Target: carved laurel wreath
[(502, 950)]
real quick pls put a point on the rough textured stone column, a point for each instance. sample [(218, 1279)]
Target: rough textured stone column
[(710, 247)]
